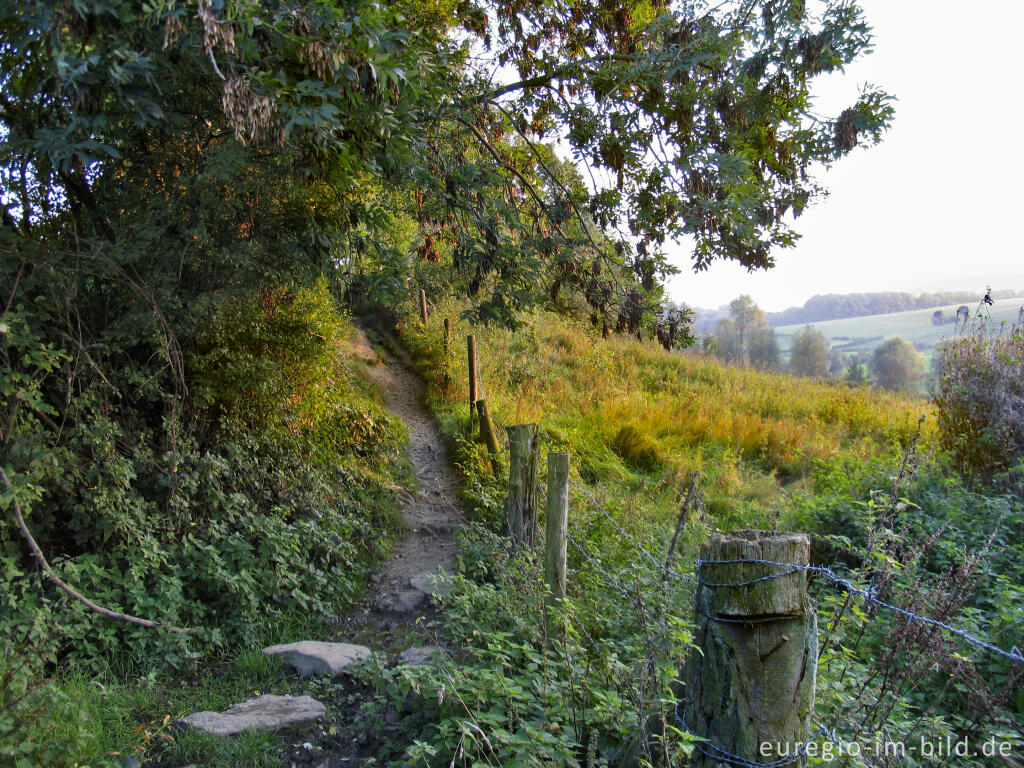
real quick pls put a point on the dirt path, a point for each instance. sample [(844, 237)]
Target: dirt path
[(398, 595), (430, 515), (399, 591)]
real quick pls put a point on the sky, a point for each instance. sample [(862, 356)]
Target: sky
[(938, 204)]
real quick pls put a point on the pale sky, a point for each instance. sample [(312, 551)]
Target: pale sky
[(938, 204)]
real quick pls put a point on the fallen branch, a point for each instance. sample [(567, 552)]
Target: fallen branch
[(52, 576)]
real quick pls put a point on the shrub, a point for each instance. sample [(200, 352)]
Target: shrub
[(980, 398)]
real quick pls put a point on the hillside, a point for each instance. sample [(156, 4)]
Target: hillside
[(772, 452), (859, 334), (629, 411), (835, 306)]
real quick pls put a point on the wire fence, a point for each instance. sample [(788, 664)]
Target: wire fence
[(867, 593)]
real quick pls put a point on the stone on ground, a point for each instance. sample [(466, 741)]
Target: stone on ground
[(312, 657), (418, 655), (400, 602), (429, 583), (264, 713)]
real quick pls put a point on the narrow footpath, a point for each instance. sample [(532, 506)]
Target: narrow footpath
[(430, 515), (394, 624)]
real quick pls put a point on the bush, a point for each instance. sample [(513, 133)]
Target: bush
[(636, 449), (980, 398), (270, 502)]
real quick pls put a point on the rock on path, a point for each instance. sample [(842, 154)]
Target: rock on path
[(264, 713), (311, 657)]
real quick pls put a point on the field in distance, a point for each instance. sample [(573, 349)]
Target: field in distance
[(854, 334)]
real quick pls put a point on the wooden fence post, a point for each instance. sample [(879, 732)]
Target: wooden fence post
[(488, 435), (523, 485), (471, 348), (423, 305), (446, 378), (750, 689), (557, 525)]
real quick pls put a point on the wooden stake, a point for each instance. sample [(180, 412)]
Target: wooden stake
[(423, 305), (752, 682), (523, 485), (447, 380), (557, 526), (471, 347), (487, 435)]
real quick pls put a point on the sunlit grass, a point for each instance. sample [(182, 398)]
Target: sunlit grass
[(638, 418)]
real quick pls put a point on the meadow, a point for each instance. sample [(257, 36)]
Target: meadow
[(858, 468)]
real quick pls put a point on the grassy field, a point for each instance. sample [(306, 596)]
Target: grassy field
[(773, 452), (865, 333), (637, 419)]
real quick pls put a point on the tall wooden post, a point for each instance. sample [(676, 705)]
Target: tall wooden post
[(423, 305), (557, 524), (471, 348), (523, 485), (750, 688), (488, 436), (446, 378)]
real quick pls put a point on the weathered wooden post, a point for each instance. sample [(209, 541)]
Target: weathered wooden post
[(423, 305), (446, 378), (557, 524), (488, 436), (471, 348), (750, 689), (523, 485)]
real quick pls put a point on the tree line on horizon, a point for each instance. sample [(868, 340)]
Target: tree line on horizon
[(746, 338)]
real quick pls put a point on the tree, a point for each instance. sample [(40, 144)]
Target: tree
[(746, 316), (837, 362), (696, 124), (763, 349), (727, 341), (897, 365), (809, 353)]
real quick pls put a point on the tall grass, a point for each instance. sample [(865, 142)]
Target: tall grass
[(638, 418)]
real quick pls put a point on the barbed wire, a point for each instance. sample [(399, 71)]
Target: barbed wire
[(600, 508), (868, 594), (714, 752)]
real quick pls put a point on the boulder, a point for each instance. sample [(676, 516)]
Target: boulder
[(311, 657), (264, 713)]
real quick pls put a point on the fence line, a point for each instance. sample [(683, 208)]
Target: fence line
[(705, 747), (1014, 654)]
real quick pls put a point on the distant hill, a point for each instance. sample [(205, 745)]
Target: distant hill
[(862, 334), (835, 306)]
